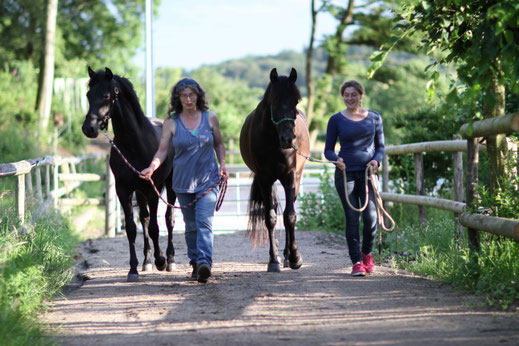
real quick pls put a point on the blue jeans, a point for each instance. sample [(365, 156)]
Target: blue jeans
[(357, 195), (198, 219)]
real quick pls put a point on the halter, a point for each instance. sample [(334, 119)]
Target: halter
[(104, 123), (279, 121)]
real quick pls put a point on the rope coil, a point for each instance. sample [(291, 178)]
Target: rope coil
[(371, 177)]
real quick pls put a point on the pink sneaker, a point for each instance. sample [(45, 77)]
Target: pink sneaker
[(358, 269), (369, 263)]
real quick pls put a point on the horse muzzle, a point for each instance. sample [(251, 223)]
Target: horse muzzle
[(90, 130)]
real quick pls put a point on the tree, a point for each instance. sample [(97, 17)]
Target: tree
[(47, 68), (97, 33), (479, 37), (310, 88)]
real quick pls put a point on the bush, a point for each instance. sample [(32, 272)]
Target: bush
[(35, 262), (322, 210)]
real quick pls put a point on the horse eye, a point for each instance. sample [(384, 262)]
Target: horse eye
[(106, 96)]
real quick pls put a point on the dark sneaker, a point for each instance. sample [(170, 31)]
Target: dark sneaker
[(204, 272), (358, 269), (194, 274), (369, 263)]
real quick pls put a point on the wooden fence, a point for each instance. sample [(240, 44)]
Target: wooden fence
[(474, 222), (65, 174), (65, 178)]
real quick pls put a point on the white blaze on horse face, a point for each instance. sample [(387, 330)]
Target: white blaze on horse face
[(103, 110)]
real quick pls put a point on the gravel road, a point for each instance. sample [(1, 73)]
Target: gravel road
[(242, 304)]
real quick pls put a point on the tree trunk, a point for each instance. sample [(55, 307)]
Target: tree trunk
[(47, 69), (497, 147), (309, 58), (333, 65)]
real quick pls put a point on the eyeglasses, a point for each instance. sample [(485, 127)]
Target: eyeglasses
[(191, 96)]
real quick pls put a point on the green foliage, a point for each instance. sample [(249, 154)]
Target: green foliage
[(165, 79), (232, 100), (35, 262), (434, 251), (102, 33), (17, 122), (426, 125), (478, 36), (255, 70), (18, 83), (322, 210), (504, 201)]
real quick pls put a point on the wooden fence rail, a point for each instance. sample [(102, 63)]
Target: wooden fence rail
[(474, 222), (65, 179)]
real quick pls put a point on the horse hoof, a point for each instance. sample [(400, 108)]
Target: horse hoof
[(171, 267), (273, 268), (286, 263), (160, 263), (148, 267), (297, 264), (132, 278)]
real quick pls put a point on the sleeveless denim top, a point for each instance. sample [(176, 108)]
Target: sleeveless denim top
[(195, 160)]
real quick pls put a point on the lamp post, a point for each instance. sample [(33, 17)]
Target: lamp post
[(150, 82)]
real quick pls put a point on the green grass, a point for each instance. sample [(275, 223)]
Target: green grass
[(35, 262), (433, 251)]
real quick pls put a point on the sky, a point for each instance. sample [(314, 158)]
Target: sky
[(189, 34)]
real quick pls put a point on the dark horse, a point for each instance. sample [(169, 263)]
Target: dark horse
[(266, 144), (113, 97)]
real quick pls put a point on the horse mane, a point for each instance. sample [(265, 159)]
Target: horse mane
[(130, 95)]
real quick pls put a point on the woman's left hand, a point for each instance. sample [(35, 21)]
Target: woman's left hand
[(373, 164), (223, 171)]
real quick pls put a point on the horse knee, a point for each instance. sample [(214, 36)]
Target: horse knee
[(290, 217), (271, 219)]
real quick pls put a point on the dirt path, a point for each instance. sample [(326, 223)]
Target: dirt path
[(319, 304)]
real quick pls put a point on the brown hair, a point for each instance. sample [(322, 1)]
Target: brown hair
[(354, 84), (176, 105)]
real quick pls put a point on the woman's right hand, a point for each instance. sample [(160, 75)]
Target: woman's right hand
[(146, 173), (340, 164)]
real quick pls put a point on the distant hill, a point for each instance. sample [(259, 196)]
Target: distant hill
[(255, 70)]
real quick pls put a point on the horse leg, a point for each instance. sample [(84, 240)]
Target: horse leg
[(289, 219), (270, 221), (170, 223), (131, 231), (153, 203), (144, 217)]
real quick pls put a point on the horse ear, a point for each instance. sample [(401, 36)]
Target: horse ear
[(108, 73), (274, 75), (91, 72), (293, 75)]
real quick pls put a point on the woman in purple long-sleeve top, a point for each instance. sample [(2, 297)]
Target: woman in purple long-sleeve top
[(361, 138)]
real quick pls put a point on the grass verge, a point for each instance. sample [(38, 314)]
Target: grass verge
[(35, 262)]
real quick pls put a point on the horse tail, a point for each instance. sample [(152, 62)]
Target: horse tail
[(256, 227)]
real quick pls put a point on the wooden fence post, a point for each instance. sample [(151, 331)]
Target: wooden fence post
[(47, 181), (39, 195), (20, 198), (458, 188), (28, 184), (385, 182), (420, 190), (55, 197), (472, 181), (109, 201)]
